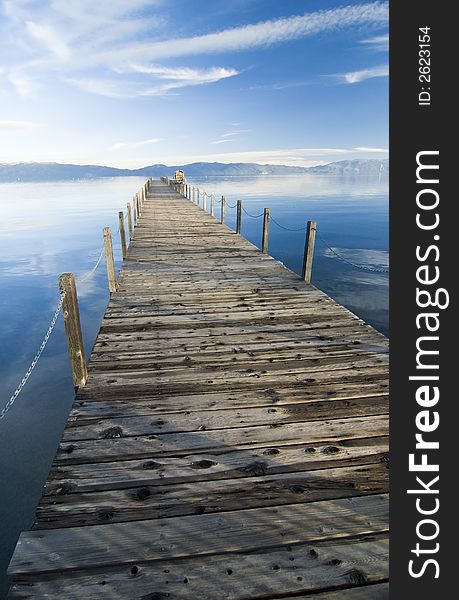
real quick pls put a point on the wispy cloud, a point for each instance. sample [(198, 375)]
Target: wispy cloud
[(77, 41), (111, 88), (167, 80), (237, 132), (371, 150), (132, 145), (280, 85), (262, 34), (49, 38), (184, 77), (12, 125), (378, 43), (358, 76), (230, 136)]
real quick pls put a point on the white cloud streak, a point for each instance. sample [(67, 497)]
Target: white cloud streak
[(262, 34), (370, 73), (176, 78), (229, 136), (378, 43), (15, 125), (46, 36)]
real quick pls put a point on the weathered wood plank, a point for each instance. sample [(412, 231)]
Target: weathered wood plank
[(69, 508), (178, 444), (206, 467), (287, 570), (150, 404), (59, 550), (223, 419)]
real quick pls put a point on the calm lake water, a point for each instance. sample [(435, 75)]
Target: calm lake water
[(50, 228)]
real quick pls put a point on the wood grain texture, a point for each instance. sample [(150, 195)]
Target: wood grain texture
[(304, 568), (231, 441)]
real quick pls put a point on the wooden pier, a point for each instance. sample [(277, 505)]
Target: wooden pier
[(230, 442)]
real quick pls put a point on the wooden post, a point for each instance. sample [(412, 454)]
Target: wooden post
[(239, 217), (134, 210), (129, 214), (222, 220), (108, 245), (72, 324), (212, 203), (309, 250), (264, 241), (139, 207), (198, 194), (204, 200), (122, 234)]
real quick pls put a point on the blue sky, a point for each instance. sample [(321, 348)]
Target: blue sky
[(135, 82)]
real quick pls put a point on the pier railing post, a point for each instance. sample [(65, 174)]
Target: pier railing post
[(129, 214), (134, 210), (204, 200), (212, 203), (108, 245), (264, 241), (239, 216), (72, 324), (198, 196), (222, 220), (122, 234), (309, 250)]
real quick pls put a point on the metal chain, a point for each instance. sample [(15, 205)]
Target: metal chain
[(287, 228), (253, 216), (33, 364), (93, 270), (49, 331), (349, 262)]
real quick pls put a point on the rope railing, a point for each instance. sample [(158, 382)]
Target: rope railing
[(106, 249)]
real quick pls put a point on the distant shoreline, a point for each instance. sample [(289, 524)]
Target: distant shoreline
[(34, 172)]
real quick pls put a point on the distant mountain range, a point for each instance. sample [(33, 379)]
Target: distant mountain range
[(10, 172)]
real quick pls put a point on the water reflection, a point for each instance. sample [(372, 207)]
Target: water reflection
[(50, 228)]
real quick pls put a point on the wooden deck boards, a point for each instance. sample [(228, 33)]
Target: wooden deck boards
[(231, 442)]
